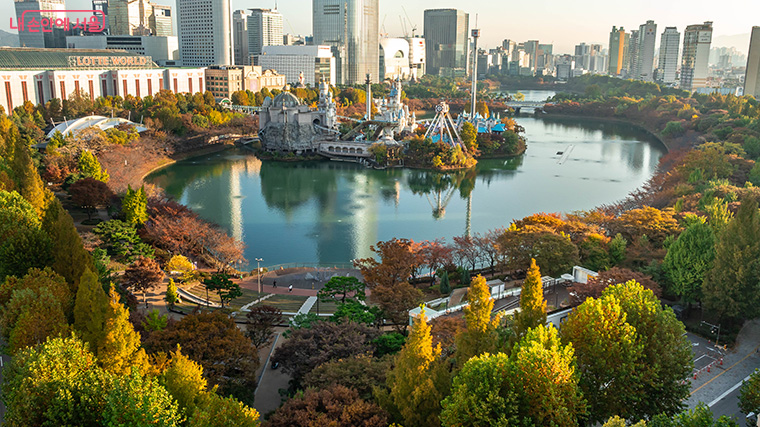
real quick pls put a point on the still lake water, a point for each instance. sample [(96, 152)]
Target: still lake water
[(331, 212)]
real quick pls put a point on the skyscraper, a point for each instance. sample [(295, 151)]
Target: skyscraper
[(618, 44), (669, 44), (240, 37), (204, 32), (446, 37), (752, 78), (53, 39), (631, 54), (264, 29), (645, 56), (696, 54), (139, 18), (352, 29)]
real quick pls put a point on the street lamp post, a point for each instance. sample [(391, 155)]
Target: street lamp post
[(258, 273), (713, 330)]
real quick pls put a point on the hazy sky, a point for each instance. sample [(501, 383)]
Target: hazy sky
[(564, 23)]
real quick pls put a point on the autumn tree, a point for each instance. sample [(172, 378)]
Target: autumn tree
[(606, 349), (435, 254), (398, 259), (223, 286), (362, 373), (90, 309), (689, 259), (181, 265), (656, 224), (469, 135), (340, 287), (307, 348), (183, 379), (142, 276), (89, 193), (419, 381), (614, 276), (137, 400), (28, 181), (172, 296), (25, 248), (70, 258), (334, 406), (134, 206), (480, 335), (466, 251), (119, 349), (260, 323), (556, 252), (228, 357), (396, 301), (532, 304), (215, 410), (732, 287), (90, 167)]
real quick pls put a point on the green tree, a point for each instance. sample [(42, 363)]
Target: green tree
[(749, 394), (732, 287), (121, 240), (139, 401), (90, 309), (532, 304), (28, 180), (689, 259), (616, 249), (172, 296), (754, 174), (606, 349), (415, 382), (70, 258), (134, 206), (90, 166), (547, 383), (30, 317), (184, 380), (480, 336), (25, 248), (223, 286), (483, 394), (119, 348), (15, 213), (343, 288), (444, 286), (469, 136), (215, 410)]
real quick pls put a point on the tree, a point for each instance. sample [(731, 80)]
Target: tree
[(139, 401), (335, 406), (396, 301), (121, 240), (665, 361), (435, 254), (119, 349), (732, 287), (143, 275), (444, 286), (15, 213), (260, 323), (184, 380), (656, 224), (689, 259), (70, 258), (361, 373), (223, 286), (215, 410), (307, 348), (466, 251), (614, 276), (480, 336), (89, 193), (532, 304), (31, 316), (228, 357), (24, 249), (90, 167), (548, 390), (182, 265), (28, 180), (483, 394), (556, 252), (417, 383), (606, 349), (356, 312), (342, 287), (749, 397), (469, 134), (134, 206), (398, 260), (90, 309), (172, 296)]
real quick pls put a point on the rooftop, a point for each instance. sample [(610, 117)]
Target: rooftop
[(56, 59)]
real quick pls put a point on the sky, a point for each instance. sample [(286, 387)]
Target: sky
[(563, 23)]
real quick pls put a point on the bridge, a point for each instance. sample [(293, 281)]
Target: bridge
[(241, 108), (535, 105)]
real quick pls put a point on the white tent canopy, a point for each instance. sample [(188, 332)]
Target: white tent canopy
[(77, 125)]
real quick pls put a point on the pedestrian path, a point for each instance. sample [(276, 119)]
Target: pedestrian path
[(307, 305)]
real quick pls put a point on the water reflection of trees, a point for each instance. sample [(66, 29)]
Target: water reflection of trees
[(287, 186), (439, 187)]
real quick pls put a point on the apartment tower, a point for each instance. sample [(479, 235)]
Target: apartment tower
[(205, 32), (264, 29), (670, 42), (645, 56), (696, 54), (618, 48), (752, 78), (240, 38)]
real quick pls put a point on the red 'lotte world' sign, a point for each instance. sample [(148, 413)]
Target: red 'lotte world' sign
[(96, 23)]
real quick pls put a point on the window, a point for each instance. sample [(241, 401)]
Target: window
[(63, 91), (104, 87), (150, 86), (92, 91), (190, 84), (76, 88), (124, 84), (24, 92), (40, 93), (175, 86), (160, 83), (8, 96)]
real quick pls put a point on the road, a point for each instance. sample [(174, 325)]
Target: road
[(728, 404)]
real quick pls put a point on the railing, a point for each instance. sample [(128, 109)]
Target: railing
[(336, 265)]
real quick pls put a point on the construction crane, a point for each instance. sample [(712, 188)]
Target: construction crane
[(411, 24), (384, 33), (403, 26)]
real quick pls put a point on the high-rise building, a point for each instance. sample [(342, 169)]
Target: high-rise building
[(670, 42), (264, 29), (314, 63), (618, 47), (352, 29), (696, 54), (240, 38), (752, 78), (631, 55), (644, 65), (531, 49), (30, 11), (204, 32), (161, 21), (446, 38), (139, 18)]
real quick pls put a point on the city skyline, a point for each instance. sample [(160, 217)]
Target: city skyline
[(566, 24)]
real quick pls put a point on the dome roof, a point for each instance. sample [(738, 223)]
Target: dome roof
[(285, 99)]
